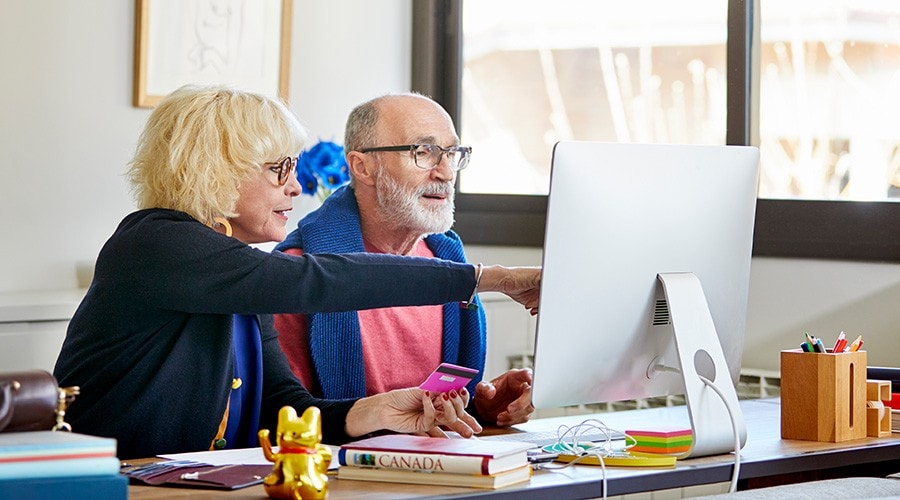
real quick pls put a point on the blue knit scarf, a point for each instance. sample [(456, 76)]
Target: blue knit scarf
[(334, 338)]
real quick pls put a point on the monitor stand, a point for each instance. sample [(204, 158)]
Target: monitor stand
[(700, 354)]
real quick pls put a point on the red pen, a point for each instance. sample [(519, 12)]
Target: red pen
[(840, 343)]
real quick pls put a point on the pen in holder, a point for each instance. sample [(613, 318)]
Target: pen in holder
[(823, 395)]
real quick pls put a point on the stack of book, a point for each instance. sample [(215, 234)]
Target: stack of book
[(436, 461), (46, 464)]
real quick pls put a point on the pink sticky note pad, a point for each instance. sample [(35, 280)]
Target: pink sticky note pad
[(448, 377)]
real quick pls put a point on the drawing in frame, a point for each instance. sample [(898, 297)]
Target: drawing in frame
[(243, 43)]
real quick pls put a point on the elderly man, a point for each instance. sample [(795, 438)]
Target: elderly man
[(403, 154)]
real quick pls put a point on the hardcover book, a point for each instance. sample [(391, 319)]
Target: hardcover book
[(449, 456), (67, 467), (106, 486), (48, 454), (494, 481), (49, 445)]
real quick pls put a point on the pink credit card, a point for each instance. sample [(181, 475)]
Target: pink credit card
[(448, 377)]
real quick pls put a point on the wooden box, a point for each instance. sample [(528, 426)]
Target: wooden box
[(823, 396), (878, 417)]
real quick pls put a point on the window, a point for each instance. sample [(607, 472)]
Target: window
[(518, 76), (829, 100), (537, 72)]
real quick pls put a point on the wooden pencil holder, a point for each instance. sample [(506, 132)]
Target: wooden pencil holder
[(823, 395)]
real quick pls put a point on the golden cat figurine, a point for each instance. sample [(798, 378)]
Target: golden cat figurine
[(302, 462)]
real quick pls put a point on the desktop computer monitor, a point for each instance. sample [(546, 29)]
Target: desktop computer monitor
[(646, 269)]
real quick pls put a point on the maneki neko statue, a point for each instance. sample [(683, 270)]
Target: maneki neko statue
[(301, 462)]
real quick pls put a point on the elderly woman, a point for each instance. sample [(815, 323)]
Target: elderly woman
[(173, 345)]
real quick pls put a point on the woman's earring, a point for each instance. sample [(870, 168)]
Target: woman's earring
[(223, 222)]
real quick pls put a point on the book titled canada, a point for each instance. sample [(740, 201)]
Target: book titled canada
[(494, 481), (428, 454)]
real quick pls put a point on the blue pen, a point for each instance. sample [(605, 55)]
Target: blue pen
[(805, 347)]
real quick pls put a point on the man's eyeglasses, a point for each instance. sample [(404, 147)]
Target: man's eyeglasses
[(283, 168), (428, 156)]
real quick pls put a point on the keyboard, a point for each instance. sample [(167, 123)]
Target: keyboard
[(545, 438)]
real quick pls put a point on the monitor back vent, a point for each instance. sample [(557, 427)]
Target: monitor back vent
[(661, 313)]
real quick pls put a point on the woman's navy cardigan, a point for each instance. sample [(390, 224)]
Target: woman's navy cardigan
[(151, 347)]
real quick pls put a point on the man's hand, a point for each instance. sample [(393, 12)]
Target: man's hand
[(505, 400)]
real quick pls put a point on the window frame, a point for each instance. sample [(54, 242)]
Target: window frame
[(817, 229)]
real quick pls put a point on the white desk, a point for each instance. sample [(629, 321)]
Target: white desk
[(766, 459)]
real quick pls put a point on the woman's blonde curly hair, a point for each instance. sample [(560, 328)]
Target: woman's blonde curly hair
[(201, 142)]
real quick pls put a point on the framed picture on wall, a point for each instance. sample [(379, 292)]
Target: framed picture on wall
[(244, 43)]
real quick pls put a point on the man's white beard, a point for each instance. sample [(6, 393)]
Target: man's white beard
[(400, 207)]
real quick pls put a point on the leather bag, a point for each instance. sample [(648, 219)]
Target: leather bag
[(33, 401)]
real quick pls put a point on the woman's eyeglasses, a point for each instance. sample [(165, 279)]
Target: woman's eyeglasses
[(428, 156), (283, 168)]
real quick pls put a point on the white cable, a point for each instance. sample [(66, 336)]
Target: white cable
[(737, 438), (581, 455), (569, 438), (568, 442), (573, 446)]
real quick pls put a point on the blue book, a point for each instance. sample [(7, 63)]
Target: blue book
[(29, 446), (60, 468), (107, 487)]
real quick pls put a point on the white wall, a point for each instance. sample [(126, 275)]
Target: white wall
[(67, 126), (67, 130), (790, 296)]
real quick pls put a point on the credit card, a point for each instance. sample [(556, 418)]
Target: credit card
[(448, 377)]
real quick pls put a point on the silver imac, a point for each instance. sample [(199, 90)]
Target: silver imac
[(646, 269)]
